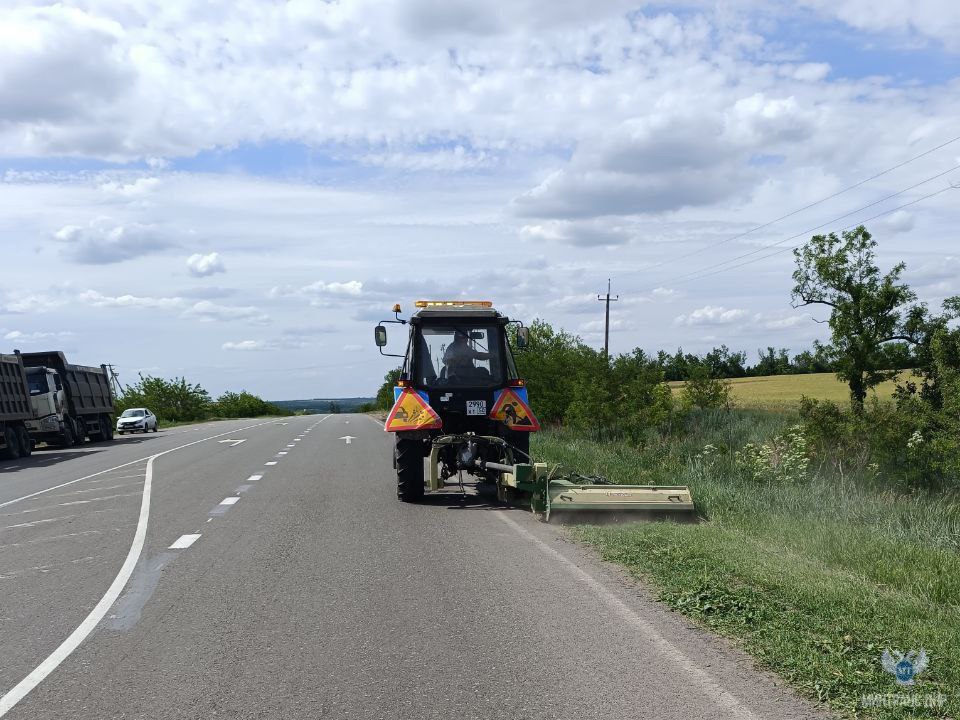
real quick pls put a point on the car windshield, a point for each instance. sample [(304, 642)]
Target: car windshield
[(460, 356), (133, 413)]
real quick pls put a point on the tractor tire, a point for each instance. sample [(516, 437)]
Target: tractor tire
[(12, 439), (408, 458), (26, 444), (521, 442)]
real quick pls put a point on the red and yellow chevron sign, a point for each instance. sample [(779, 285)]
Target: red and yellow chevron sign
[(412, 412), (510, 409)]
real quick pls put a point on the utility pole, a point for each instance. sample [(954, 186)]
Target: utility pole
[(606, 326), (115, 381)]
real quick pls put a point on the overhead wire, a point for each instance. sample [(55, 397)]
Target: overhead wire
[(825, 224), (804, 208), (717, 269)]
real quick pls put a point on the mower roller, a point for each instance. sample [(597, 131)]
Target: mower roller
[(460, 403)]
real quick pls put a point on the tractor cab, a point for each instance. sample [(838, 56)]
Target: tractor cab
[(459, 357), (458, 379)]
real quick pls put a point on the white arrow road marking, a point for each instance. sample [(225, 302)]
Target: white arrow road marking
[(348, 438), (233, 443), (184, 541)]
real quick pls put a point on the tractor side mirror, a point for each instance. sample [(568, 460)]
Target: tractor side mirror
[(523, 337), (380, 336)]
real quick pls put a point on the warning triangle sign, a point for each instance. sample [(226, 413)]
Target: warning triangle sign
[(412, 412), (510, 409)]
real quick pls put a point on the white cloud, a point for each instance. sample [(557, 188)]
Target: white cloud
[(711, 315), (585, 233), (98, 299), (245, 345), (205, 265), (665, 293), (208, 311), (36, 336), (319, 293), (137, 188), (104, 241), (396, 149), (900, 221)]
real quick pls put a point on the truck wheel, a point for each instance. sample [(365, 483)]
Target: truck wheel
[(12, 439), (106, 428), (26, 445), (79, 430), (67, 438), (408, 455)]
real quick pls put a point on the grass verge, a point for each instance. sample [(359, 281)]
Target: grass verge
[(814, 579)]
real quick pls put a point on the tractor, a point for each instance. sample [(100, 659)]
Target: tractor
[(460, 403)]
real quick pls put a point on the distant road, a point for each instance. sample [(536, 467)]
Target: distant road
[(278, 577)]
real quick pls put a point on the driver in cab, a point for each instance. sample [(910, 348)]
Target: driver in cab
[(459, 356)]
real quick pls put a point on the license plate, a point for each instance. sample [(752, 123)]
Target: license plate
[(476, 407)]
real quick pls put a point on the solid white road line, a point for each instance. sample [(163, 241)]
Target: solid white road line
[(39, 673), (730, 703), (230, 500), (272, 462), (254, 478), (184, 541)]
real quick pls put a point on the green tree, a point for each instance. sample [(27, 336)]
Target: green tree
[(704, 392), (171, 400), (243, 404), (867, 309), (550, 365), (384, 400)]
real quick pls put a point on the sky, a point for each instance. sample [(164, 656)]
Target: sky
[(236, 192)]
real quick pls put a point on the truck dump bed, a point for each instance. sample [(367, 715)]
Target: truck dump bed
[(87, 388), (14, 393)]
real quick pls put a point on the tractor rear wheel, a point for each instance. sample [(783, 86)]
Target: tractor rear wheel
[(408, 456), (519, 441)]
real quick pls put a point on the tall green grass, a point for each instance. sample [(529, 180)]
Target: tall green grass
[(814, 578)]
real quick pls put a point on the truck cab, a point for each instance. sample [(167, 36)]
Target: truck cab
[(47, 399)]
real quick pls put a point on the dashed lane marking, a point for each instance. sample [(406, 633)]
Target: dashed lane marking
[(272, 462), (254, 478), (233, 500), (63, 651), (184, 541)]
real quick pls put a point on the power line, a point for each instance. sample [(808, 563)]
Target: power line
[(802, 209), (712, 271), (825, 224)]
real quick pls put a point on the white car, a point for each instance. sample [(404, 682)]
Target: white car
[(136, 419)]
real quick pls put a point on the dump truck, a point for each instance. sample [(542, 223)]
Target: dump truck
[(69, 402), (15, 409), (461, 405)]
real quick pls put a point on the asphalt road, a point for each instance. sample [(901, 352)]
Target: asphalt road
[(207, 582)]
